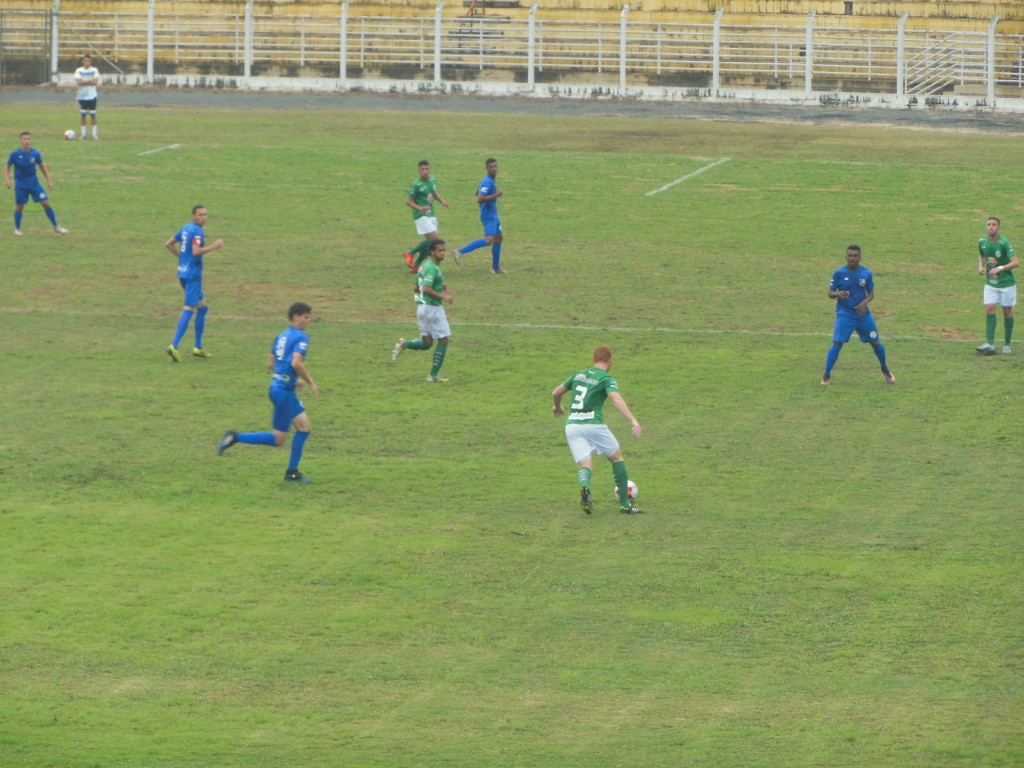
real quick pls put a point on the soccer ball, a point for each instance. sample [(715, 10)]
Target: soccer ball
[(633, 490), (69, 135)]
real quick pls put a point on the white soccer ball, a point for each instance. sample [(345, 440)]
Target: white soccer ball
[(633, 490), (69, 135)]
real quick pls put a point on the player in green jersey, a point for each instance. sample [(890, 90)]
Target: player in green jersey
[(422, 195), (996, 262), (431, 296), (586, 431)]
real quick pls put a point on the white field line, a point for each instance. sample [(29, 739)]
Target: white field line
[(159, 149), (688, 176)]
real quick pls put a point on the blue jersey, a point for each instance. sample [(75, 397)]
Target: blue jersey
[(25, 164), (488, 187), (190, 265), (288, 342), (858, 282)]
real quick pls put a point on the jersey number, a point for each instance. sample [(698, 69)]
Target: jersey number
[(577, 402)]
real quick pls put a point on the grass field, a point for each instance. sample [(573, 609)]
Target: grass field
[(824, 576)]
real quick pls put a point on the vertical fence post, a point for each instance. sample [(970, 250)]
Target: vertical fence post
[(990, 74), (437, 43), (901, 66), (623, 19), (150, 24), (343, 45), (809, 57), (248, 41), (716, 53), (54, 41), (531, 60)]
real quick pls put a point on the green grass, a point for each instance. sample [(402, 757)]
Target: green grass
[(827, 577)]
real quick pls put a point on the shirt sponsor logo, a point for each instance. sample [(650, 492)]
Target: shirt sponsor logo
[(581, 416)]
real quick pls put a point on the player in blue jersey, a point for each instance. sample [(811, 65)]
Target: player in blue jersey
[(25, 161), (287, 361), (487, 195), (853, 288), (189, 245)]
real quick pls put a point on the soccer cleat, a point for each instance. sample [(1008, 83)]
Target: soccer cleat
[(986, 349), (632, 509), (499, 271), (198, 352), (397, 350), (458, 256), (60, 230), (18, 233), (294, 476), (409, 259), (826, 379), (1007, 350), (435, 379), (889, 378), (173, 352), (585, 501), (230, 438)]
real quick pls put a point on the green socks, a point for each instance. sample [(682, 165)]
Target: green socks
[(990, 328), (584, 476), (439, 354), (622, 481)]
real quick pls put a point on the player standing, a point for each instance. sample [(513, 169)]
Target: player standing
[(853, 288), (26, 183), (996, 261), (431, 296), (487, 196), (586, 431), (189, 245), (287, 362), (421, 197), (87, 77)]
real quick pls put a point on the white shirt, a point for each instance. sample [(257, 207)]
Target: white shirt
[(86, 92)]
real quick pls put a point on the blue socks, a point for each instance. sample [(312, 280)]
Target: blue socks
[(256, 438), (496, 256), (51, 216), (880, 354), (200, 325), (831, 358), (17, 219), (473, 246), (297, 444), (183, 321)]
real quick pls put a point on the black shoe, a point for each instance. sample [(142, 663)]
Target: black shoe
[(229, 439), (631, 510), (585, 501), (294, 476)]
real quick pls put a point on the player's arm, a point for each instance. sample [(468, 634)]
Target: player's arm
[(482, 198), (199, 250), (46, 175), (556, 399), (981, 261), (835, 293), (621, 407), (7, 175), (415, 206), (862, 307), (440, 199), (426, 290), (1013, 263), (172, 245), (298, 363)]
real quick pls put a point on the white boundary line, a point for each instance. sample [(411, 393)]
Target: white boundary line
[(159, 149), (681, 179)]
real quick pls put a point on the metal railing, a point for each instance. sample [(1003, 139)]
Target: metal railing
[(716, 57)]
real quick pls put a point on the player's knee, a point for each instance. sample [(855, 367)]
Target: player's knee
[(279, 438)]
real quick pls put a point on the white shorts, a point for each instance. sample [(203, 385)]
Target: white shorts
[(432, 321), (1004, 297), (426, 225), (585, 439)]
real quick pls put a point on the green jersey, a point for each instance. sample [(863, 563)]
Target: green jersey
[(994, 254), (422, 193), (429, 275), (589, 388)]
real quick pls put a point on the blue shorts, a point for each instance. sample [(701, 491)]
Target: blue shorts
[(24, 189), (87, 105), (492, 225), (286, 407), (193, 291), (864, 325)]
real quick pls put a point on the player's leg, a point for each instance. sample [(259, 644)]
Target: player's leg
[(991, 299), (867, 331), (82, 111), (193, 295), (581, 450), (496, 254), (420, 253), (436, 323), (303, 428), (1008, 300), (439, 353), (19, 210), (95, 129), (621, 476), (200, 328)]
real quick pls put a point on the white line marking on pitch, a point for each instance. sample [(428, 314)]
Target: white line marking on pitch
[(159, 149), (698, 172)]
